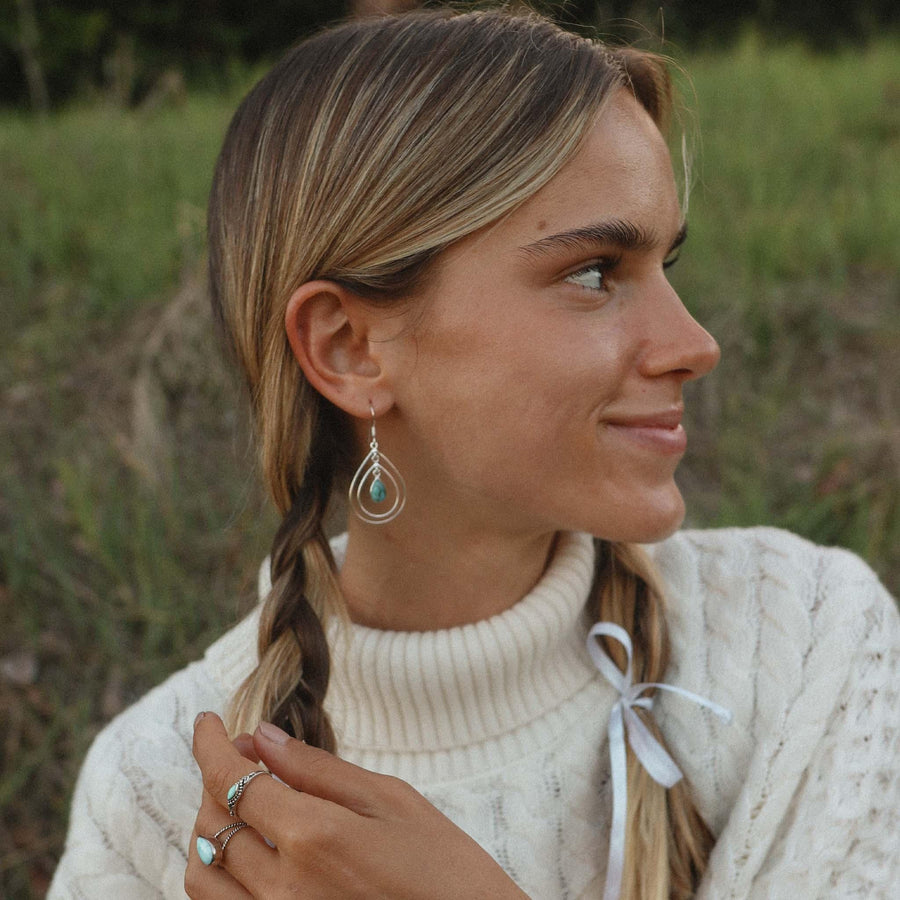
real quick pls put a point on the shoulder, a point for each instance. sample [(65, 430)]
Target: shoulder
[(773, 627), (138, 792), (156, 732), (748, 553), (770, 577)]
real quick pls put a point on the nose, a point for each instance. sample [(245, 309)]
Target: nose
[(677, 344)]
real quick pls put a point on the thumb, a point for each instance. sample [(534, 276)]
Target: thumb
[(315, 771), (244, 745)]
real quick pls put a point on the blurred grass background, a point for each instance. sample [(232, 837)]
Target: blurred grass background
[(131, 521)]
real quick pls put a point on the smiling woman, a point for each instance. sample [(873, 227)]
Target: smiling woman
[(438, 244)]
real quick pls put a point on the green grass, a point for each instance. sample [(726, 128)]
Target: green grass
[(792, 264), (99, 209), (799, 157), (113, 572), (108, 580)]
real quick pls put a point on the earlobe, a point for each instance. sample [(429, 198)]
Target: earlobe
[(328, 330)]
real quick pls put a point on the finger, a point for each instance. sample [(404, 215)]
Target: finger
[(221, 762), (241, 853), (291, 820), (244, 745), (272, 808), (322, 774), (210, 882)]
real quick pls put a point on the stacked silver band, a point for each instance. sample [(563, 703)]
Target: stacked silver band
[(229, 831), (236, 791)]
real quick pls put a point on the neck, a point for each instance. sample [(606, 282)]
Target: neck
[(399, 578)]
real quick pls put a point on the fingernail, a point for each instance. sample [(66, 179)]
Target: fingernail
[(200, 715), (273, 733)]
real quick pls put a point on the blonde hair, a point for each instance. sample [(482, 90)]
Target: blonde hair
[(358, 158)]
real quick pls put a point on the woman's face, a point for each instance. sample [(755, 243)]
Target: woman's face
[(541, 388)]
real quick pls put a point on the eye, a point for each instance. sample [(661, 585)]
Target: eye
[(593, 276), (672, 259)]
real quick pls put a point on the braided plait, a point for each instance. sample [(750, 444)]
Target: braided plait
[(668, 843), (288, 686)]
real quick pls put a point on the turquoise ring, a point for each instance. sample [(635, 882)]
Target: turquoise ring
[(236, 791), (212, 850), (209, 851)]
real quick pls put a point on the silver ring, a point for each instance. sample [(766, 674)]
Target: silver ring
[(232, 830), (209, 850), (236, 791), (212, 850)]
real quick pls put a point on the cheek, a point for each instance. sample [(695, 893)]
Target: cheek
[(482, 376), (546, 384), (456, 361)]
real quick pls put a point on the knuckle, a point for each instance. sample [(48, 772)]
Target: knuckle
[(319, 763), (216, 780), (192, 879), (318, 839), (293, 834), (395, 790)]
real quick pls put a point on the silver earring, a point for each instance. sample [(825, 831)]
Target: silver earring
[(377, 492)]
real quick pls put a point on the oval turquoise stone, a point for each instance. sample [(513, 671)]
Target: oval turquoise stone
[(377, 492), (205, 851), (232, 790)]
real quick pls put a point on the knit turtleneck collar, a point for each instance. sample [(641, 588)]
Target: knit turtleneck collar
[(434, 705), (427, 692)]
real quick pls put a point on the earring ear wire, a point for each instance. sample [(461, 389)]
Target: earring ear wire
[(377, 481)]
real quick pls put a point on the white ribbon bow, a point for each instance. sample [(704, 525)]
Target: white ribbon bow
[(651, 754)]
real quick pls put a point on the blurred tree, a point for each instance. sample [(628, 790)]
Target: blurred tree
[(107, 45), (823, 25), (62, 48), (380, 7), (28, 41)]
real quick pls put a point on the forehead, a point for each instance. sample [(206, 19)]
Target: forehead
[(622, 171)]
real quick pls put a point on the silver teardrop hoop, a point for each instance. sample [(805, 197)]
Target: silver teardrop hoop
[(377, 492)]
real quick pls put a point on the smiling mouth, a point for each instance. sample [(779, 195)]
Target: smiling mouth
[(661, 432)]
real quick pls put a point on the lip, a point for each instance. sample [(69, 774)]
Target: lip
[(660, 431)]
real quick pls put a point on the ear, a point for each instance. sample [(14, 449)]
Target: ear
[(328, 328)]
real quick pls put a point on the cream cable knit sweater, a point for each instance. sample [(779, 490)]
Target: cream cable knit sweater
[(502, 724)]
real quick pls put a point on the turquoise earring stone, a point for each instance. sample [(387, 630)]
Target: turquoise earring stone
[(205, 851), (377, 492)]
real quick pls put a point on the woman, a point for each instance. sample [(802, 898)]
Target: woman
[(438, 245)]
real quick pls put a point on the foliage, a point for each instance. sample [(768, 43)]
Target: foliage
[(127, 50), (792, 264)]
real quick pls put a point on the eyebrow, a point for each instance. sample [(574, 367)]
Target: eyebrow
[(619, 233)]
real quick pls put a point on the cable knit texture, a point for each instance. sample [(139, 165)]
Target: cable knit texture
[(502, 725)]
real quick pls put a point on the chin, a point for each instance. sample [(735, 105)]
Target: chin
[(661, 531), (646, 523)]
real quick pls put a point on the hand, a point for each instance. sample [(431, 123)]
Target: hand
[(339, 831)]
